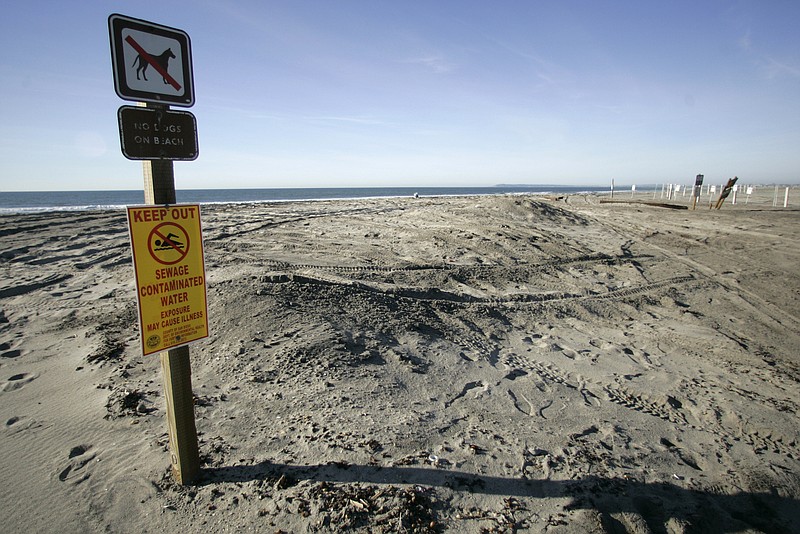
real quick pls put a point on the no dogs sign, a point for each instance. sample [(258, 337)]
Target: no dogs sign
[(152, 63), (167, 245)]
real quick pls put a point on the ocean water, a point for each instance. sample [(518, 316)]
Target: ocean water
[(19, 202)]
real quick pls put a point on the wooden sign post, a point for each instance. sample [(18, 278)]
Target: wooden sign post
[(725, 192), (159, 189), (698, 187), (140, 48)]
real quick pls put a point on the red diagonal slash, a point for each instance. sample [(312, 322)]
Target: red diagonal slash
[(147, 57)]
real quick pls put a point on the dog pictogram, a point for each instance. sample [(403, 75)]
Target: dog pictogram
[(162, 60)]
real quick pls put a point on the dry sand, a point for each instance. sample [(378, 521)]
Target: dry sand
[(473, 364)]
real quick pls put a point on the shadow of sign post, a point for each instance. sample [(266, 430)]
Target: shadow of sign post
[(654, 502)]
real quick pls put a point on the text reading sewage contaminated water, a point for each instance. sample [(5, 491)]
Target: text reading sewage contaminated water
[(170, 275)]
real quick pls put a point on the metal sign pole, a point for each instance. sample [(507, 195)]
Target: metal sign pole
[(159, 189)]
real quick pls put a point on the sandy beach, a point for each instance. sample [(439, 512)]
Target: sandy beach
[(465, 364)]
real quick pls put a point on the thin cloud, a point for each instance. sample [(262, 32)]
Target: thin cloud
[(771, 67), (436, 63), (777, 69), (258, 115), (746, 42), (368, 121), (548, 72)]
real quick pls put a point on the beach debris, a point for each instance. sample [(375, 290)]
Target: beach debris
[(476, 449), (591, 430), (411, 459), (108, 350), (373, 445), (216, 450), (284, 482), (646, 203), (379, 508), (435, 461), (127, 403), (505, 520)]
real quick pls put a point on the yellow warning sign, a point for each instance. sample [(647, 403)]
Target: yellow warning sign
[(167, 243)]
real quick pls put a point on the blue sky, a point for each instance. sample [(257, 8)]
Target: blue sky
[(382, 93)]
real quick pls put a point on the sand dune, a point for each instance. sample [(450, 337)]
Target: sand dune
[(471, 364)]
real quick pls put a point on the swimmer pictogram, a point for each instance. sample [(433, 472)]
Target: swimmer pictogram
[(168, 243)]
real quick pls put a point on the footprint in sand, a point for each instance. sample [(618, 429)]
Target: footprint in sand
[(79, 457), (7, 351), (17, 424), (17, 381), (469, 386)]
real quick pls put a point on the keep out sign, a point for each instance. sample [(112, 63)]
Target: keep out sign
[(167, 244)]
